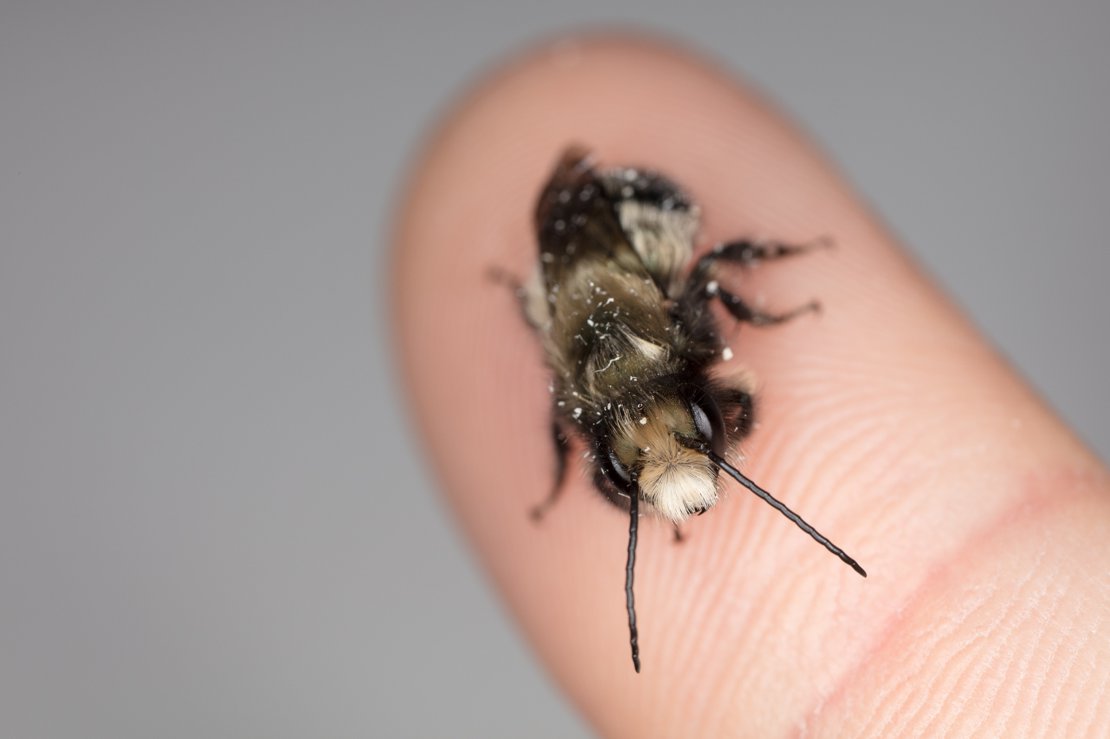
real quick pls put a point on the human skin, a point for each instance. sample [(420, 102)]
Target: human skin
[(886, 421)]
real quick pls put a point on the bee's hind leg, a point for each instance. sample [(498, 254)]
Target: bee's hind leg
[(507, 279), (747, 253), (533, 308)]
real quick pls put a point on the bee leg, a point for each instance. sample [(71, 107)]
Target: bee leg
[(523, 292), (505, 278), (749, 253), (738, 408), (678, 537), (741, 311), (610, 492), (562, 452)]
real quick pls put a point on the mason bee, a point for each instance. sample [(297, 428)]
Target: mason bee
[(623, 310)]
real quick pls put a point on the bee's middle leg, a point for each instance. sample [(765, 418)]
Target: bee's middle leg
[(741, 311)]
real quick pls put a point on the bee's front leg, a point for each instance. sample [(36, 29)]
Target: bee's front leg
[(561, 442)]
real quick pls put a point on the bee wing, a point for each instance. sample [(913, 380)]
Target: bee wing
[(576, 220)]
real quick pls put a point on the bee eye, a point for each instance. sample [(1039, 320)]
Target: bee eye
[(708, 422), (615, 463), (614, 469), (701, 421)]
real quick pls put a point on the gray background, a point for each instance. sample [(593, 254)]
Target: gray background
[(214, 520)]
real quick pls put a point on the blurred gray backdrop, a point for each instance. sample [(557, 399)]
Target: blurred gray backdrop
[(214, 520)]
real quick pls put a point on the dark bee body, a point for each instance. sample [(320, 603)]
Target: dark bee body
[(630, 337)]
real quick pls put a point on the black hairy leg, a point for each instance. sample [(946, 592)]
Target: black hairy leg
[(738, 409), (741, 311), (702, 285), (609, 491), (506, 279), (561, 442), (512, 282), (679, 537), (746, 253)]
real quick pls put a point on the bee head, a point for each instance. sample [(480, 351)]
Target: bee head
[(647, 445)]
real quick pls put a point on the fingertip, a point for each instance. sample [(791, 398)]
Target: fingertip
[(857, 405), (475, 375)]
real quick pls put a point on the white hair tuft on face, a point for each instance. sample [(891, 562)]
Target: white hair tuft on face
[(678, 489)]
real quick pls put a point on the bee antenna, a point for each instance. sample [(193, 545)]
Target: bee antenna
[(770, 500), (629, 569)]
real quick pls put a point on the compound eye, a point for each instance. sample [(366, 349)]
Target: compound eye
[(708, 422), (701, 422), (614, 469), (619, 468)]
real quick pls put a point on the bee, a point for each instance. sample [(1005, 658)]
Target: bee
[(623, 311)]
